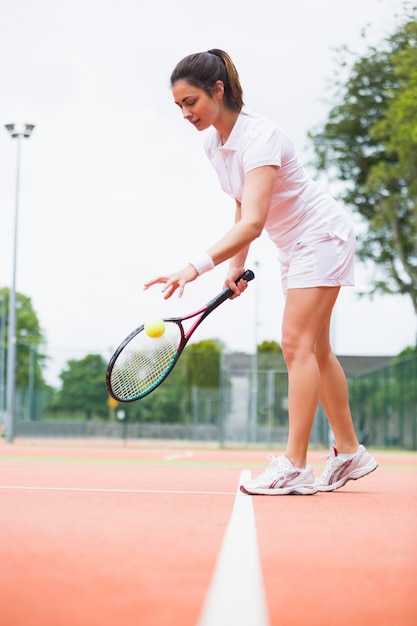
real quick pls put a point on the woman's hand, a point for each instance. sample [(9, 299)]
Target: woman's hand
[(230, 281), (175, 281)]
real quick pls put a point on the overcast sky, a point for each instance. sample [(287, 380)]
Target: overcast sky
[(115, 187)]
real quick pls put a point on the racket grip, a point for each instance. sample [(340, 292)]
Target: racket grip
[(247, 275), (227, 293)]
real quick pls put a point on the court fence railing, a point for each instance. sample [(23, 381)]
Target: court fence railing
[(250, 406)]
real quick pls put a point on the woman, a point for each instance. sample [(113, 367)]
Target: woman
[(256, 164)]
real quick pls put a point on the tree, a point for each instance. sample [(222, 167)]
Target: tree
[(164, 405), (270, 356), (269, 347), (370, 142), (83, 387), (30, 340), (203, 363)]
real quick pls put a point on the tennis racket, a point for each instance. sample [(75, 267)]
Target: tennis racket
[(141, 363)]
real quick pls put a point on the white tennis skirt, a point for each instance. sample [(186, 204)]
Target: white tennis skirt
[(318, 261)]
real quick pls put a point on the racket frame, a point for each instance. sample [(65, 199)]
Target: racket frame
[(203, 312)]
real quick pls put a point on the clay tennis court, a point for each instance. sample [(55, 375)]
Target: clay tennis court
[(154, 534)]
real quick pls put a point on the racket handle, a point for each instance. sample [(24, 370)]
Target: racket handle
[(228, 293), (247, 275)]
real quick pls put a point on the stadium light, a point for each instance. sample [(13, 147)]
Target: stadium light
[(19, 132)]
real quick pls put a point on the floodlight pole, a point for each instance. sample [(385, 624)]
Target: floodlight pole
[(253, 419), (2, 355), (16, 131)]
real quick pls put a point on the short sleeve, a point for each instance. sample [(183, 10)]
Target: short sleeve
[(263, 145)]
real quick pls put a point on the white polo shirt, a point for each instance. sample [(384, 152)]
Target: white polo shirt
[(299, 208)]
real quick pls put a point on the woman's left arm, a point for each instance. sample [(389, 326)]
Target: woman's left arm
[(251, 215), (256, 200)]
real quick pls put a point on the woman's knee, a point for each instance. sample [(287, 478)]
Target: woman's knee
[(287, 347), (295, 346), (323, 354), (323, 349)]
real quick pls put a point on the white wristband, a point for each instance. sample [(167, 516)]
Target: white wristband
[(203, 263)]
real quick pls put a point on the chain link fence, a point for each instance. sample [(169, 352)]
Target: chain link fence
[(384, 402), (250, 406)]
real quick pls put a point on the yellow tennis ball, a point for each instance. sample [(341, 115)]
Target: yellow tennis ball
[(155, 328)]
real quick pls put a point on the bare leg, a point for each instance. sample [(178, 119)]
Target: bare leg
[(334, 396), (306, 324)]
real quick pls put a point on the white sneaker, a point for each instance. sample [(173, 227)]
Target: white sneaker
[(338, 471), (282, 478)]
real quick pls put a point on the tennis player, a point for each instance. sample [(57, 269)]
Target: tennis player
[(257, 166)]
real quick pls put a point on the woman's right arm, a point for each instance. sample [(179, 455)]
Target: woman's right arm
[(237, 262)]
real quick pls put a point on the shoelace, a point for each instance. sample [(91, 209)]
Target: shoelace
[(331, 465), (336, 460), (273, 467)]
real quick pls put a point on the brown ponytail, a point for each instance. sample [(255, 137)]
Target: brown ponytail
[(204, 69)]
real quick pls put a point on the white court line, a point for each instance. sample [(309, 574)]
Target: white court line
[(104, 490), (236, 594)]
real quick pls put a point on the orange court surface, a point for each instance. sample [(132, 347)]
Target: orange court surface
[(158, 534)]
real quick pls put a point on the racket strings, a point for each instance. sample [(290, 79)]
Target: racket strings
[(144, 362)]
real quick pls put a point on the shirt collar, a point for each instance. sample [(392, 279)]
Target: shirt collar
[(233, 139)]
